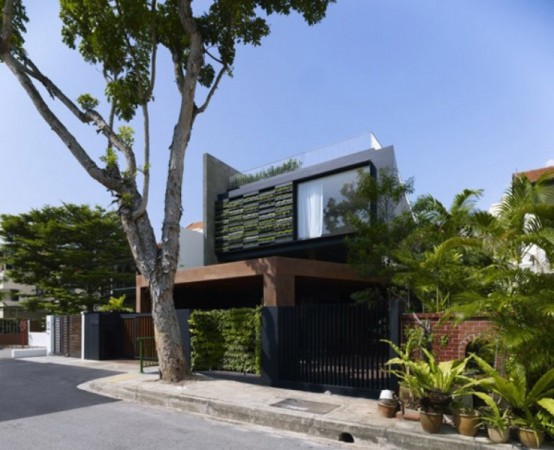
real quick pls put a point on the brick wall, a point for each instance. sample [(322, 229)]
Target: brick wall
[(458, 336)]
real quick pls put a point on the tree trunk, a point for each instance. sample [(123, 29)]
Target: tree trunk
[(158, 268), (173, 367)]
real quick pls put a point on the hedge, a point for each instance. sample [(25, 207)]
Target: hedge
[(226, 340)]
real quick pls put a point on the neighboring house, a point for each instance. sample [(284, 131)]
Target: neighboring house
[(10, 292), (276, 237), (535, 258), (191, 246)]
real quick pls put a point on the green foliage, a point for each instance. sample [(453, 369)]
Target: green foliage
[(436, 275), (517, 299), (74, 255), (531, 405), (288, 166), (116, 304), (118, 37), (226, 340), (379, 223), (110, 158), (432, 383), (492, 415), (122, 36), (87, 101), (207, 341), (467, 262), (127, 135)]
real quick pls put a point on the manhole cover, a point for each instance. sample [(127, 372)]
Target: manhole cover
[(305, 405)]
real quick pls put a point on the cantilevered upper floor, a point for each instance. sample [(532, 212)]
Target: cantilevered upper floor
[(293, 208)]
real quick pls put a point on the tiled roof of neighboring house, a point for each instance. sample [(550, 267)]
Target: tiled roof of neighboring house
[(195, 226), (534, 175)]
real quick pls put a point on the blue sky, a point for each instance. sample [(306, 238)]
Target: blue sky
[(464, 90)]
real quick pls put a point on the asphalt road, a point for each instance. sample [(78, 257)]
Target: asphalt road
[(42, 408)]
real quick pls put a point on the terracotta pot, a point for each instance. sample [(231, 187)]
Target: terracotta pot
[(530, 438), (497, 436), (431, 422), (467, 424), (387, 408)]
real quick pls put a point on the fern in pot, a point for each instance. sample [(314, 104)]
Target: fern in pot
[(433, 384)]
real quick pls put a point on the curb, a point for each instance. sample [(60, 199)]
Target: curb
[(28, 352), (334, 430)]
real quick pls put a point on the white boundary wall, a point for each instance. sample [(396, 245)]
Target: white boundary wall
[(39, 339)]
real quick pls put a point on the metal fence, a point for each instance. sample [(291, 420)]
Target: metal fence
[(334, 345), (9, 326)]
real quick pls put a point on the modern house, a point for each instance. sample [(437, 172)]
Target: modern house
[(275, 236)]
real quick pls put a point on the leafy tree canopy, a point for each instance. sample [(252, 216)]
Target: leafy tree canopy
[(380, 224), (75, 255)]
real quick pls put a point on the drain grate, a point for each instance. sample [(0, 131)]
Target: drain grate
[(306, 406)]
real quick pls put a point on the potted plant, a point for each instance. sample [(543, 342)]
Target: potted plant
[(497, 420), (388, 404), (532, 406), (433, 384), (466, 419), (416, 338)]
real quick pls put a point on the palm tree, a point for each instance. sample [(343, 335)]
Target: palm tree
[(433, 260), (518, 298)]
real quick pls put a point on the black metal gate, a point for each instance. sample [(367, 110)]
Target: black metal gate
[(334, 346)]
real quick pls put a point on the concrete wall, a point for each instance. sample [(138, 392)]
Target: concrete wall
[(216, 181), (39, 339)]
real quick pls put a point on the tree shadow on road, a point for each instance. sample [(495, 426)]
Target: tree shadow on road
[(31, 389)]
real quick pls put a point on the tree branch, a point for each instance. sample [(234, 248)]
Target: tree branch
[(213, 57), (154, 51), (110, 181), (214, 87), (179, 143), (29, 68), (146, 184)]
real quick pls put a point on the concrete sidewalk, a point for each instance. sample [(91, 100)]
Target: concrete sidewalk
[(336, 417)]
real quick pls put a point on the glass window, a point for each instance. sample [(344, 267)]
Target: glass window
[(322, 204)]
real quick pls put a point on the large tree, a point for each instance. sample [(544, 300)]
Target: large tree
[(76, 256), (122, 37)]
